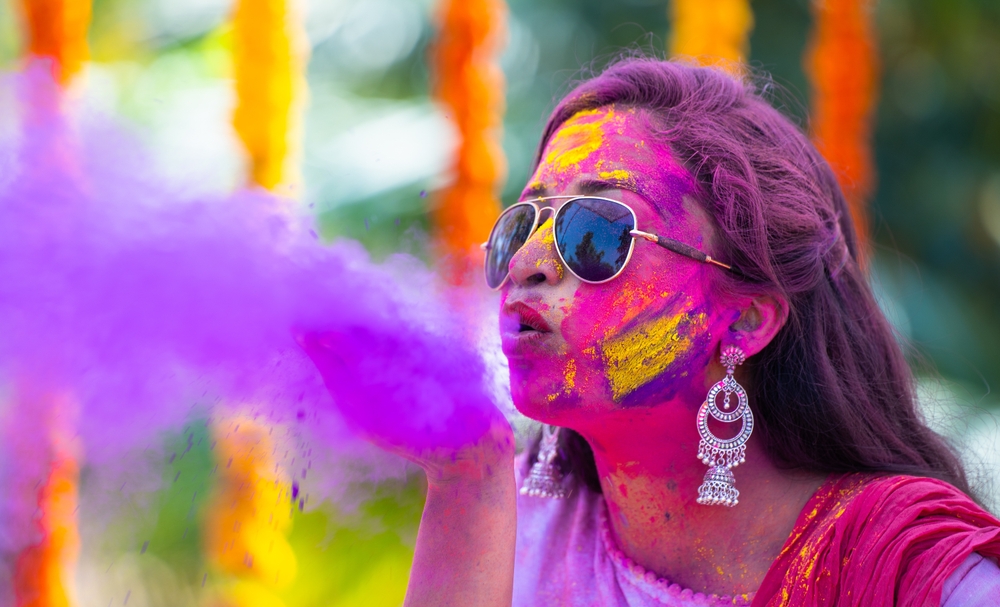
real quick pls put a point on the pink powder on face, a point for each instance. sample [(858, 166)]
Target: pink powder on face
[(613, 145)]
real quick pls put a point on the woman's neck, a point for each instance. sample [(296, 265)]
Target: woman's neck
[(646, 459)]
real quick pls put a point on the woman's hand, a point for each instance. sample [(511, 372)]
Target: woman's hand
[(412, 391), (422, 396)]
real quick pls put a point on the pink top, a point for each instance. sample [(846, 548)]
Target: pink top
[(566, 555)]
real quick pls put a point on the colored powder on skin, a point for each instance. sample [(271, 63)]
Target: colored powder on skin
[(536, 185), (636, 357), (149, 307), (635, 298), (547, 234), (569, 380), (577, 139), (616, 175), (547, 238), (570, 374)]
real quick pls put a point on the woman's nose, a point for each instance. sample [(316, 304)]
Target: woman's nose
[(537, 261)]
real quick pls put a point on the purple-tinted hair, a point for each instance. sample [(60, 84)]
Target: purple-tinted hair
[(832, 392)]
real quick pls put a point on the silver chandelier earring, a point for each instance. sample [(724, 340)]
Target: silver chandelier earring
[(545, 479), (722, 455)]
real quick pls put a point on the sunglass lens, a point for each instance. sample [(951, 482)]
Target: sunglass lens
[(594, 237), (511, 231)]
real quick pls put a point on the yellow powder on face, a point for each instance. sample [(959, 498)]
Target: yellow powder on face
[(570, 374), (547, 239), (538, 185), (616, 175), (546, 233), (634, 299), (569, 380), (576, 140), (636, 357)]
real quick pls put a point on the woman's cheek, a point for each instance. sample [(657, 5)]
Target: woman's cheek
[(647, 342), (654, 353), (581, 383)]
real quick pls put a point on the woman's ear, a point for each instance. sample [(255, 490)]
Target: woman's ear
[(760, 320)]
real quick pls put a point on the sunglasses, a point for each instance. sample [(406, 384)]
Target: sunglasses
[(594, 238)]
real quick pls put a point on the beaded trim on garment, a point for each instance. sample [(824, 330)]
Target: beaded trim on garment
[(663, 585)]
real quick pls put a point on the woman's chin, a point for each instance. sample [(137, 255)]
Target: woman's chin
[(546, 406)]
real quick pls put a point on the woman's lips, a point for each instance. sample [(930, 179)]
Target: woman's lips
[(522, 328), (528, 318)]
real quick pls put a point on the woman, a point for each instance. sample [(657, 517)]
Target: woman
[(831, 490)]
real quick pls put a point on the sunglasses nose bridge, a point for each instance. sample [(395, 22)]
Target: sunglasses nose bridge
[(537, 260)]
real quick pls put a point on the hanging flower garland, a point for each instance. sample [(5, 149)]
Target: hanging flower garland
[(57, 29), (842, 65), (250, 514), (470, 85), (269, 57), (249, 517), (714, 32), (44, 569)]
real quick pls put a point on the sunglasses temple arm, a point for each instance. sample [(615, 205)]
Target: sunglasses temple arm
[(679, 247)]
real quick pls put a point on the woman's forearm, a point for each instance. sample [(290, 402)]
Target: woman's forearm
[(465, 546)]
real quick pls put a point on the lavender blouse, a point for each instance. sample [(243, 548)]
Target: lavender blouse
[(566, 555)]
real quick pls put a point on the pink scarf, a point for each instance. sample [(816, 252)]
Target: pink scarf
[(878, 541)]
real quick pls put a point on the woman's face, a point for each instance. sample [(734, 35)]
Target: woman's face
[(577, 349)]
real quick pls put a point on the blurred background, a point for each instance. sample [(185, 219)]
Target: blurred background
[(373, 155)]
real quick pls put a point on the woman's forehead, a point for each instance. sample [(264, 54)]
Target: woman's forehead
[(612, 144)]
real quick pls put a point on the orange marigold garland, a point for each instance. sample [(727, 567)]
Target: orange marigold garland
[(249, 517), (57, 29), (269, 57), (248, 520), (842, 64), (470, 84), (715, 32), (44, 568)]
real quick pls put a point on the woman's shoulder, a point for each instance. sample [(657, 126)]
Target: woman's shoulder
[(862, 500), (873, 508), (859, 527)]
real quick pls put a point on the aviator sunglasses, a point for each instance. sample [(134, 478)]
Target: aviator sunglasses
[(594, 238)]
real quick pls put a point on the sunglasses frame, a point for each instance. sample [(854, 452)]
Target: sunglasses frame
[(668, 243)]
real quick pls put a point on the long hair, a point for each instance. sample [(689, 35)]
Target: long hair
[(832, 392)]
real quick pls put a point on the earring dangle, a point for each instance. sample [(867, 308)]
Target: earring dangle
[(545, 479), (721, 455)]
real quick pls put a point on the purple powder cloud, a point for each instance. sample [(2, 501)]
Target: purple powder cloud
[(142, 305)]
